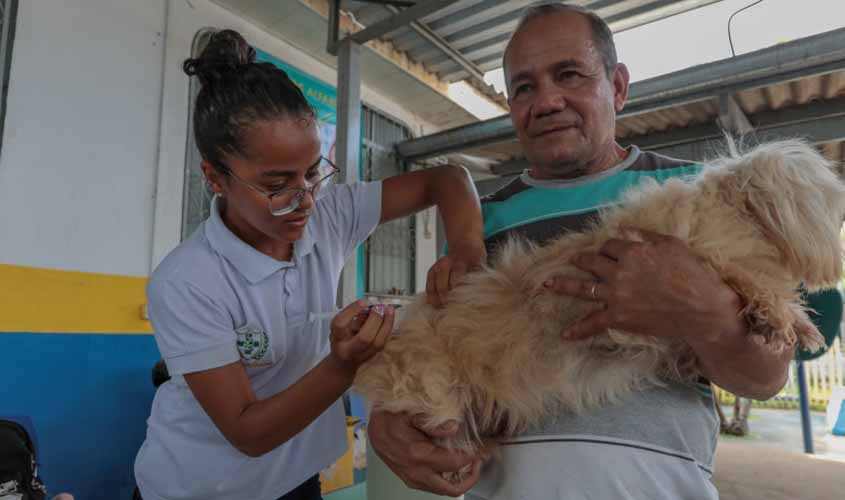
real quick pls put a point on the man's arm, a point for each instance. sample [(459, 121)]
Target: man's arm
[(735, 362), (451, 189), (654, 285)]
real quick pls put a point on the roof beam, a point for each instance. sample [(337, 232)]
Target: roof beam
[(452, 53), (458, 139), (731, 117), (815, 55), (471, 15), (394, 22), (334, 26)]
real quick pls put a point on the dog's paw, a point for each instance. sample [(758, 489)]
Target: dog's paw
[(809, 337)]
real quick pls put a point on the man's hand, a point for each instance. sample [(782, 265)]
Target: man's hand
[(652, 284), (413, 457), (448, 271)]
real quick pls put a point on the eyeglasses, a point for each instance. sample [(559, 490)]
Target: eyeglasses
[(286, 200)]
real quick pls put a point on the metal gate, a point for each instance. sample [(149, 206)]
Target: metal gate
[(390, 251)]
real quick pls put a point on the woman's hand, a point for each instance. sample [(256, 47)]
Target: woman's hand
[(357, 335), (256, 426)]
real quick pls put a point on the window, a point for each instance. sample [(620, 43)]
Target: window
[(7, 35), (389, 253), (196, 196)]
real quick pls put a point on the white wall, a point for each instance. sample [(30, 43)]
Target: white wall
[(79, 145)]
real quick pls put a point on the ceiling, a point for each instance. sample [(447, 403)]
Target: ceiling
[(303, 27)]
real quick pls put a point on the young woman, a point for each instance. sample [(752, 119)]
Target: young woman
[(252, 411)]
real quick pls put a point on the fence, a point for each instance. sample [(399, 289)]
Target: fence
[(823, 374)]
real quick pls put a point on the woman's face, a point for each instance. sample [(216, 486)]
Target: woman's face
[(281, 154)]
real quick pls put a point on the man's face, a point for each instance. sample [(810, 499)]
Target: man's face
[(562, 103)]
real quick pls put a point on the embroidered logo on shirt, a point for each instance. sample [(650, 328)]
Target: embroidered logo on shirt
[(253, 344)]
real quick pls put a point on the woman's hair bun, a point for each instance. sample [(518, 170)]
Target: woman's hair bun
[(225, 53)]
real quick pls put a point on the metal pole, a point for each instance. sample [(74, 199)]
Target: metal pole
[(444, 46), (334, 26), (806, 424), (348, 145), (9, 14), (397, 21)]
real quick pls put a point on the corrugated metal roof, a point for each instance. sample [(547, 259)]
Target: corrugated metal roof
[(301, 26), (769, 98), (476, 29), (782, 96), (479, 29)]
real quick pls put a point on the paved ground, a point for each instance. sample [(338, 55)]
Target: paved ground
[(748, 472), (781, 428), (770, 463)]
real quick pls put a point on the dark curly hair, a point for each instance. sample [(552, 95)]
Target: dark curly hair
[(236, 93)]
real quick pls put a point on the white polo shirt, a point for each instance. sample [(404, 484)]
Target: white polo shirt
[(215, 300)]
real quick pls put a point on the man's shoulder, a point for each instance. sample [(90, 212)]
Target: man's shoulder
[(650, 161), (510, 188), (646, 163)]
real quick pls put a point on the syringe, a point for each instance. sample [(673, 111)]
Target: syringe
[(312, 317)]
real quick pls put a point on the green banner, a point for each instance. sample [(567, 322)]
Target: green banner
[(320, 95)]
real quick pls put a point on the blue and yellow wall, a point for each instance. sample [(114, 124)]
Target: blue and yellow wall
[(77, 357)]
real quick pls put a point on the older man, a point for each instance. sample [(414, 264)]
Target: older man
[(565, 88)]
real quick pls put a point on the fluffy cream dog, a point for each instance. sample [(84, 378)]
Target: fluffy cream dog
[(492, 359)]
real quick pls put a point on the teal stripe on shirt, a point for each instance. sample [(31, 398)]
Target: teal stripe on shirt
[(541, 203)]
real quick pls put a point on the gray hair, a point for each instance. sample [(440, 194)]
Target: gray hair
[(602, 35)]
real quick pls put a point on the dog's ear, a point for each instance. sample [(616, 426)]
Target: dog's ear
[(792, 193)]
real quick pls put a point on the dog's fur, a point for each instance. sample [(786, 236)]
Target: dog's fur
[(493, 360)]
